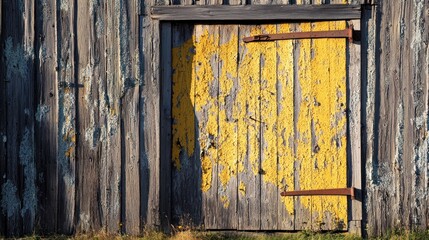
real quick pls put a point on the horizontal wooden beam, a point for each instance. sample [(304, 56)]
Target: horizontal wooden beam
[(256, 12)]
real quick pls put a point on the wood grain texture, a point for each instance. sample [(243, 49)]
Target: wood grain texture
[(149, 113), (67, 132), (18, 58), (256, 12), (354, 168), (227, 144), (130, 79), (110, 91), (165, 125), (396, 115), (46, 115), (249, 129), (3, 124), (88, 126), (394, 90)]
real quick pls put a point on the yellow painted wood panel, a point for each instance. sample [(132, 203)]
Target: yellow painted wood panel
[(263, 117)]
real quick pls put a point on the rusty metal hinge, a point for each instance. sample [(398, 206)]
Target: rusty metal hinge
[(348, 33), (334, 192)]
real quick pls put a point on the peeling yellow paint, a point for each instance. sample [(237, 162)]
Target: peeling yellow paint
[(285, 126), (227, 154), (206, 102), (256, 125), (248, 97), (268, 105), (225, 200), (182, 107), (242, 188), (318, 128)]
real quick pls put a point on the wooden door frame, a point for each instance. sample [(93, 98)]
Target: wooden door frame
[(164, 16)]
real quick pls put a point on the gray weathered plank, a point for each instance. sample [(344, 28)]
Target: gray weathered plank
[(46, 115), (256, 12), (129, 75), (18, 59), (110, 90), (88, 117), (150, 109), (65, 177), (165, 134), (354, 136)]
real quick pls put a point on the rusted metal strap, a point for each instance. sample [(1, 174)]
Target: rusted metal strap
[(346, 33), (319, 192)]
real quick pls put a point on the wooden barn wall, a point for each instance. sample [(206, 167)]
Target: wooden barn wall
[(79, 114), (395, 103)]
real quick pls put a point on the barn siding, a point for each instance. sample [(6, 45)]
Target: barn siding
[(76, 156), (395, 83)]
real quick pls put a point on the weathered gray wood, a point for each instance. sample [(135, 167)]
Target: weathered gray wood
[(112, 170), (129, 75), (46, 115), (67, 132), (18, 58), (88, 117), (354, 128), (149, 113), (256, 12), (165, 134), (396, 104), (249, 199)]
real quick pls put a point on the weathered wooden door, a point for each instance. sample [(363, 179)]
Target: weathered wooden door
[(252, 119)]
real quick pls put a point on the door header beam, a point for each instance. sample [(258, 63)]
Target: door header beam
[(256, 12)]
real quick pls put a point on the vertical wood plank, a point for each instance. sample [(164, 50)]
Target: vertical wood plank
[(339, 119), (47, 118), (3, 124), (227, 152), (88, 117), (129, 75), (67, 131), (206, 83), (302, 121), (110, 91), (149, 114), (249, 132), (354, 166), (18, 59), (285, 129), (166, 117), (268, 140), (186, 186)]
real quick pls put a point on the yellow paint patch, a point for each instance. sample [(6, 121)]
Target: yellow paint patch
[(285, 126), (227, 154), (242, 188), (224, 199), (182, 105), (206, 103)]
